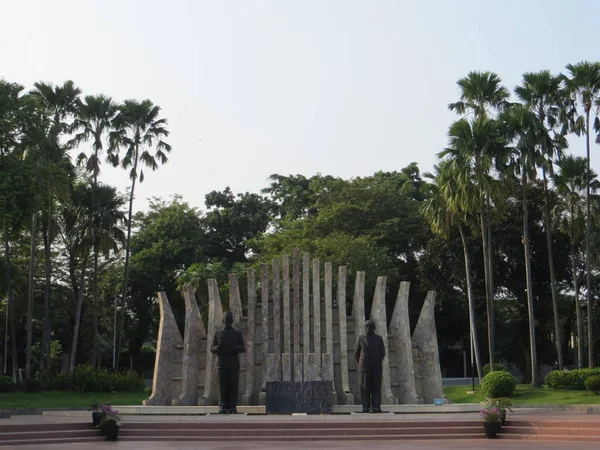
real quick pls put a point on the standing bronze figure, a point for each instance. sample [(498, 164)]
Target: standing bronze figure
[(369, 352), (227, 344)]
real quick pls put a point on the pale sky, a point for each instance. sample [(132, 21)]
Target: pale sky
[(255, 87)]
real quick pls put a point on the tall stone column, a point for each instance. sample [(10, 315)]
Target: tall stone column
[(401, 348), (276, 320), (428, 375), (286, 362), (235, 300), (316, 290), (328, 360), (347, 397), (249, 396), (358, 318), (193, 350), (215, 320), (169, 339), (296, 350), (306, 314), (378, 314), (264, 299)]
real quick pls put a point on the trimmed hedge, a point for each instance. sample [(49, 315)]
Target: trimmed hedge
[(593, 383), (6, 384), (498, 384), (497, 368), (570, 380), (88, 379)]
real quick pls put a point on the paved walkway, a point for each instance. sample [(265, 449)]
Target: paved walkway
[(354, 445)]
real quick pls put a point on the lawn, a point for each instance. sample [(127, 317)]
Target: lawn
[(56, 399), (526, 395)]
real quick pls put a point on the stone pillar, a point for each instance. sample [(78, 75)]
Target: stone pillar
[(235, 301), (298, 366), (428, 375), (276, 321), (194, 334), (316, 290), (311, 365), (306, 313), (358, 322), (287, 314), (215, 321), (169, 339), (400, 346), (328, 326), (296, 315), (347, 397), (248, 396), (264, 303), (378, 314)]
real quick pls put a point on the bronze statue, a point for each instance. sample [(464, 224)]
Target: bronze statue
[(369, 352), (227, 344)]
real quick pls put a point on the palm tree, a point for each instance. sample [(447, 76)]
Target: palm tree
[(444, 210), (541, 92), (584, 86), (480, 93), (570, 183), (475, 147), (138, 130), (60, 102), (525, 130), (94, 123)]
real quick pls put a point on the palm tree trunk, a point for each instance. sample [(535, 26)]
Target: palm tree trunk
[(78, 316), (588, 245), (486, 272), (30, 292), (11, 304), (580, 337), (490, 268), (471, 301), (94, 356), (46, 357), (534, 377), (547, 224), (126, 278)]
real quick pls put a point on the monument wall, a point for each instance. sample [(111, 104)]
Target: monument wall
[(296, 328)]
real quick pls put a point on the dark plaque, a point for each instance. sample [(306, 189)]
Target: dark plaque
[(310, 397)]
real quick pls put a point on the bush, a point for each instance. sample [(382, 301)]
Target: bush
[(593, 383), (32, 385), (498, 384), (6, 384), (571, 380), (88, 379), (497, 368)]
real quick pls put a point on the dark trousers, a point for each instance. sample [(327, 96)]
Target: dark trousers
[(228, 384), (370, 389)]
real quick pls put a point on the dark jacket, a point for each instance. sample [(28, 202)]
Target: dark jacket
[(369, 356), (226, 344)]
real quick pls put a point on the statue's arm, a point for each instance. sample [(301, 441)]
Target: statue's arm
[(214, 348), (240, 347), (357, 349)]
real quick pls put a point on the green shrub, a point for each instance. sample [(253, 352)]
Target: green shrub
[(32, 385), (88, 379), (592, 383), (6, 384), (571, 380), (497, 368), (498, 384)]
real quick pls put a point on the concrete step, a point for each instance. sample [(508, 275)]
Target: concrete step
[(43, 441), (306, 437)]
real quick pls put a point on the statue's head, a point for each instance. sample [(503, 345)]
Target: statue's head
[(228, 319), (370, 327)]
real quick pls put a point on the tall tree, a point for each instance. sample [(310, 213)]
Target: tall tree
[(583, 83), (542, 93), (526, 132), (94, 123), (571, 182), (444, 209), (139, 132), (482, 93), (475, 147)]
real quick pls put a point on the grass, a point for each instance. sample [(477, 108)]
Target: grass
[(526, 395), (56, 399)]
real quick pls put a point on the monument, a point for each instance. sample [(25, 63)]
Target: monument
[(297, 330), (370, 352)]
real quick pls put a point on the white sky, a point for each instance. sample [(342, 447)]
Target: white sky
[(340, 87)]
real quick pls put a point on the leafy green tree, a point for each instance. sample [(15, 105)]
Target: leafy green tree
[(139, 132), (583, 83)]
